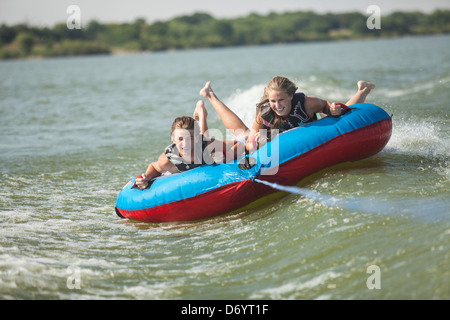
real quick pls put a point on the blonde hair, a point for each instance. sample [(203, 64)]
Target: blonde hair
[(278, 83)]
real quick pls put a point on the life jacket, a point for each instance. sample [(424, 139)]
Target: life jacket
[(173, 154), (296, 117)]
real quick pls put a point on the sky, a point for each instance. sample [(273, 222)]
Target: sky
[(49, 12)]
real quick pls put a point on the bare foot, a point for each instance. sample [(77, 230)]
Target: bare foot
[(200, 111), (365, 86), (207, 90)]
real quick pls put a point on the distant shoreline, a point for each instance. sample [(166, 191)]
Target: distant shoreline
[(202, 31), (123, 53)]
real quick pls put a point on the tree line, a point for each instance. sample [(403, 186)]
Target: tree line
[(201, 30)]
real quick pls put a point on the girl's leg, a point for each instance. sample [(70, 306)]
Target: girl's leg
[(364, 89), (231, 121)]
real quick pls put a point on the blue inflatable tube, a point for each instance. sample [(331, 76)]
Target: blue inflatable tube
[(211, 190)]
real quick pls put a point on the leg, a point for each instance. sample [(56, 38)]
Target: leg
[(200, 115), (364, 89), (231, 121)]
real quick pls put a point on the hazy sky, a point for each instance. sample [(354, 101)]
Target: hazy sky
[(49, 12)]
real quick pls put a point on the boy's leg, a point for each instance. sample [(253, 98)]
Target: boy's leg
[(200, 115)]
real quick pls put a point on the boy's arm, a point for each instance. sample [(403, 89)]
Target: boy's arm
[(155, 169)]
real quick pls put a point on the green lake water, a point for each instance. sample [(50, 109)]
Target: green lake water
[(75, 130)]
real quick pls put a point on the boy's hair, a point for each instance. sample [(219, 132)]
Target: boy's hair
[(184, 122)]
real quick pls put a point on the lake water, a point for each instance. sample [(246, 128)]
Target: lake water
[(75, 130)]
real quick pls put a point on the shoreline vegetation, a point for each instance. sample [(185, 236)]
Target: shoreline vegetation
[(201, 30)]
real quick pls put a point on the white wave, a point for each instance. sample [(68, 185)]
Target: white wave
[(426, 87), (290, 290), (424, 139), (243, 103)]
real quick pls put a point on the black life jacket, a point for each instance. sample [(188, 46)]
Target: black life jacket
[(201, 157), (296, 117)]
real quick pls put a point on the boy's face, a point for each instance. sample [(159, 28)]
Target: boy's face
[(184, 140)]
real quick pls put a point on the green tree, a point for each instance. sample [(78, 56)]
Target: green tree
[(94, 30), (7, 34), (25, 42)]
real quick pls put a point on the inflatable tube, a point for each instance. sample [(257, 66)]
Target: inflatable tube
[(211, 190)]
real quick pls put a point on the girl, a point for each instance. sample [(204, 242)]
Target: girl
[(280, 108)]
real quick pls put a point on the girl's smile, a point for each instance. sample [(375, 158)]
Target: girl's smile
[(280, 102)]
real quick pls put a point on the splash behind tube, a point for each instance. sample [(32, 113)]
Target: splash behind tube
[(211, 190)]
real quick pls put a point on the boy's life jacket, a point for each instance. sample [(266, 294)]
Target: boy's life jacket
[(201, 157)]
